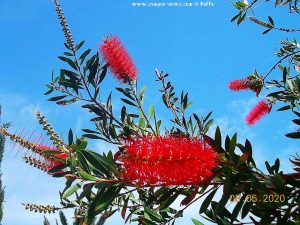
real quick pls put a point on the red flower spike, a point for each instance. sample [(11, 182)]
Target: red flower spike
[(118, 59), (238, 85), (158, 160), (245, 84), (261, 109), (53, 159)]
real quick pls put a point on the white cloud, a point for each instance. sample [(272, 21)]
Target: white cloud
[(242, 107)]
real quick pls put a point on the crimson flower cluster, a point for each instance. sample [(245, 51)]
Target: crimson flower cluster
[(245, 84), (253, 83), (261, 109), (55, 159), (119, 61), (167, 160)]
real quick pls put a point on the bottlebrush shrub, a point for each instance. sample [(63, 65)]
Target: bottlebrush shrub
[(157, 165), (166, 160)]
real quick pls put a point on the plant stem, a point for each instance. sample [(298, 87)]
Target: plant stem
[(280, 61), (139, 105), (89, 92)]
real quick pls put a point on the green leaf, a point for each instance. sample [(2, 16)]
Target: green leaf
[(147, 221), (208, 125), (235, 17), (218, 137), (207, 117), (71, 190), (100, 162), (69, 61), (125, 92), (284, 73), (294, 135), (232, 146), (185, 101), (222, 203), (83, 145), (91, 208), (151, 111), (93, 71), (246, 209), (79, 45), (169, 201), (267, 31), (84, 54), (271, 20), (73, 76), (296, 121), (276, 165), (241, 18), (68, 54), (189, 197), (82, 162), (269, 168), (157, 125), (123, 113), (57, 169), (207, 201), (87, 176), (112, 132), (50, 89), (67, 102), (63, 218), (142, 93), (127, 102), (196, 222), (237, 208), (107, 198), (290, 85), (153, 214), (123, 212), (103, 73), (142, 123), (48, 152), (46, 221), (57, 98), (70, 137), (92, 136)]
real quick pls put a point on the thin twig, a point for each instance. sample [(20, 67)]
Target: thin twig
[(280, 61), (139, 105)]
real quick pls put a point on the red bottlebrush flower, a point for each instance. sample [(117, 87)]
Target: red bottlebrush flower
[(245, 84), (261, 109), (55, 159), (237, 85), (158, 160), (118, 59)]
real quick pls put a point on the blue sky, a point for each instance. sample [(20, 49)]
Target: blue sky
[(198, 46)]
